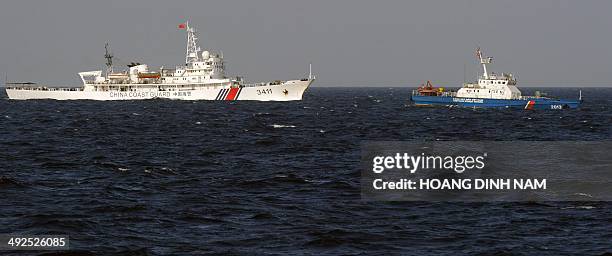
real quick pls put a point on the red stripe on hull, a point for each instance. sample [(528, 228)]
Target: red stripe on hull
[(232, 94)]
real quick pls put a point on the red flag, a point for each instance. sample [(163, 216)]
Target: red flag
[(182, 26), (478, 55)]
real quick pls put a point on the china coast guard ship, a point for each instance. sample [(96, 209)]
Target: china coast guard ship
[(201, 78), (492, 91)]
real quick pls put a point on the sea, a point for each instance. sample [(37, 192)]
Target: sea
[(164, 177)]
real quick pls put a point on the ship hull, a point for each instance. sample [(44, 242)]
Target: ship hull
[(529, 103), (287, 91)]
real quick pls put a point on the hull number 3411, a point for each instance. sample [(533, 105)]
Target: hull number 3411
[(264, 91)]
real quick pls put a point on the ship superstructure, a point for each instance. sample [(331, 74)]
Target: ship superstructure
[(490, 86), (201, 78)]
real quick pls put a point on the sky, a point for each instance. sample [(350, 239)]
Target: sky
[(349, 42)]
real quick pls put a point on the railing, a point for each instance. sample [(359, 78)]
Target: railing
[(533, 97), (136, 86), (27, 88), (443, 94), (263, 84), (254, 85)]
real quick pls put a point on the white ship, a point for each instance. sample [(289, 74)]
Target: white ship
[(201, 78)]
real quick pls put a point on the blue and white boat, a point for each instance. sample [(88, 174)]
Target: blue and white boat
[(491, 91)]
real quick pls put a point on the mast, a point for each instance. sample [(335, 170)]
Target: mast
[(484, 61), (109, 60), (309, 71), (192, 45)]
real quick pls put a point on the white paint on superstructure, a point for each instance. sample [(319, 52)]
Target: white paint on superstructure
[(490, 86)]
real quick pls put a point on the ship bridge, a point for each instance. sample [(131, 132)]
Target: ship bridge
[(206, 67), (490, 85)]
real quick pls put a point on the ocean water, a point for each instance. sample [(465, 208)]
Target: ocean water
[(163, 177)]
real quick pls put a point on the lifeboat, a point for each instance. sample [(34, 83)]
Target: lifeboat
[(154, 75)]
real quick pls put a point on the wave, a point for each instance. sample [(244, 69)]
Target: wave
[(10, 182), (283, 126)]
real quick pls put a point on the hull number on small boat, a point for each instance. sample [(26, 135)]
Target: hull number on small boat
[(556, 106)]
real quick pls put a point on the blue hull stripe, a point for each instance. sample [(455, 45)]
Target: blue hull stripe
[(222, 94), (538, 103), (225, 92), (219, 94), (238, 94)]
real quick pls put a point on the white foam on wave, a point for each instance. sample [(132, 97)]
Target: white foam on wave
[(583, 194), (283, 126), (584, 207)]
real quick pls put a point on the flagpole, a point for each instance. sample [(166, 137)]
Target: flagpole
[(187, 50)]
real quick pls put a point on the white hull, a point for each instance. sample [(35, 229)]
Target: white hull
[(286, 91)]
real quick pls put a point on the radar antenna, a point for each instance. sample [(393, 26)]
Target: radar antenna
[(109, 60)]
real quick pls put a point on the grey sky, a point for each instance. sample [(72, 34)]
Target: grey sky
[(349, 42)]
